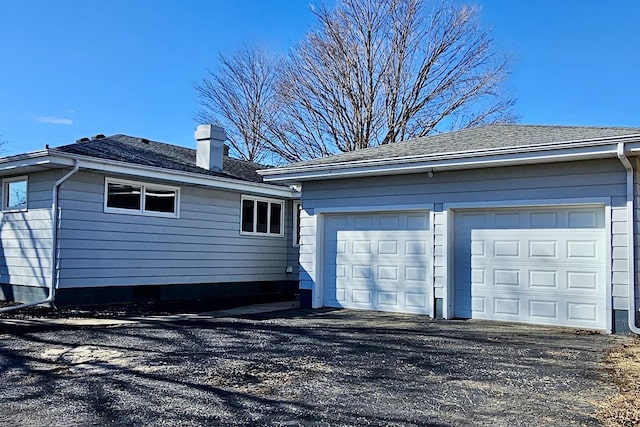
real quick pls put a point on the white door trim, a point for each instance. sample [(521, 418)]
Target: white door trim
[(318, 289), (374, 209), (594, 201)]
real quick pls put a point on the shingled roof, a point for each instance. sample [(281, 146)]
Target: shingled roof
[(475, 139), (140, 151)]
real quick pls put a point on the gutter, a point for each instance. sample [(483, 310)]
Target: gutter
[(535, 153), (630, 239), (174, 175), (53, 285)]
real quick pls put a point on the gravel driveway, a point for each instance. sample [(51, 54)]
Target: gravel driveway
[(323, 367)]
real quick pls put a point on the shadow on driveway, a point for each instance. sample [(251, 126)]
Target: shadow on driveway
[(329, 367)]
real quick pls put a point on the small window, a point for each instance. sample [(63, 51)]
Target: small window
[(261, 216), (15, 194), (275, 218), (247, 216), (124, 196), (141, 199), (159, 200), (296, 223)]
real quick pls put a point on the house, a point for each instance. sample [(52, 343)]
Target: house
[(532, 224), (120, 219)]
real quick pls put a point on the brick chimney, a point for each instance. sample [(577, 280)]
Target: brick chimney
[(210, 147)]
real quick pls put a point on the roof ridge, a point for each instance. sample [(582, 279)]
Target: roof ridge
[(559, 126)]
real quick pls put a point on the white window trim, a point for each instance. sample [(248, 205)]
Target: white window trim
[(142, 211), (5, 194), (297, 206), (255, 216)]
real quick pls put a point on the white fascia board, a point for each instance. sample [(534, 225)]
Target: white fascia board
[(37, 159), (439, 163), (632, 148), (110, 166)]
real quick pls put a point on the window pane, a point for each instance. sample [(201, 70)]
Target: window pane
[(159, 200), (247, 216), (261, 226), (16, 197), (123, 196), (274, 226)]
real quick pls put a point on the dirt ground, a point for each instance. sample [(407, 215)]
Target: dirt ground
[(305, 367), (623, 366), (116, 311)]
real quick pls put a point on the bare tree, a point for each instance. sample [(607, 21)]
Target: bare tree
[(382, 71), (239, 96)]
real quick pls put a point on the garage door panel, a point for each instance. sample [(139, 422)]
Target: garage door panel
[(543, 249), (544, 280), (378, 262), (585, 218), (537, 310), (479, 306), (547, 310), (417, 222), (582, 312), (584, 280), (415, 274), (574, 217), (416, 301), (506, 269), (360, 296), (555, 278), (388, 247)]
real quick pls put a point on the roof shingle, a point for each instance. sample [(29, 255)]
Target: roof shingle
[(144, 152), (476, 139)]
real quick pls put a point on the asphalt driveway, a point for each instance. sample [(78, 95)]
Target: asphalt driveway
[(326, 367)]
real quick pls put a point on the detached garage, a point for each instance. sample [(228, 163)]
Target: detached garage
[(531, 224)]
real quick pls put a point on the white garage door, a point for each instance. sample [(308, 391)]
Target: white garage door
[(378, 262), (540, 266)]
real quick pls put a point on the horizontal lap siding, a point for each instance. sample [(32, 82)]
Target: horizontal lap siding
[(587, 179), (25, 237), (546, 181), (204, 245), (619, 258), (293, 252), (308, 248)]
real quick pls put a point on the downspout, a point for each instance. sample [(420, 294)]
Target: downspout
[(54, 244), (630, 239)]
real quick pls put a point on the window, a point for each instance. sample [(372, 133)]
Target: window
[(261, 216), (14, 196), (297, 207), (140, 199)]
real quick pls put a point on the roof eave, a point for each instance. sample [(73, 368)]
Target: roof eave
[(154, 172), (31, 162), (486, 158)]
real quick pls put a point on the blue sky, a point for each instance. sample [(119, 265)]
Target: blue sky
[(75, 68)]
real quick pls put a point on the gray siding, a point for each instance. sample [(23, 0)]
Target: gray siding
[(619, 258), (293, 252), (587, 179), (25, 237), (204, 245)]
